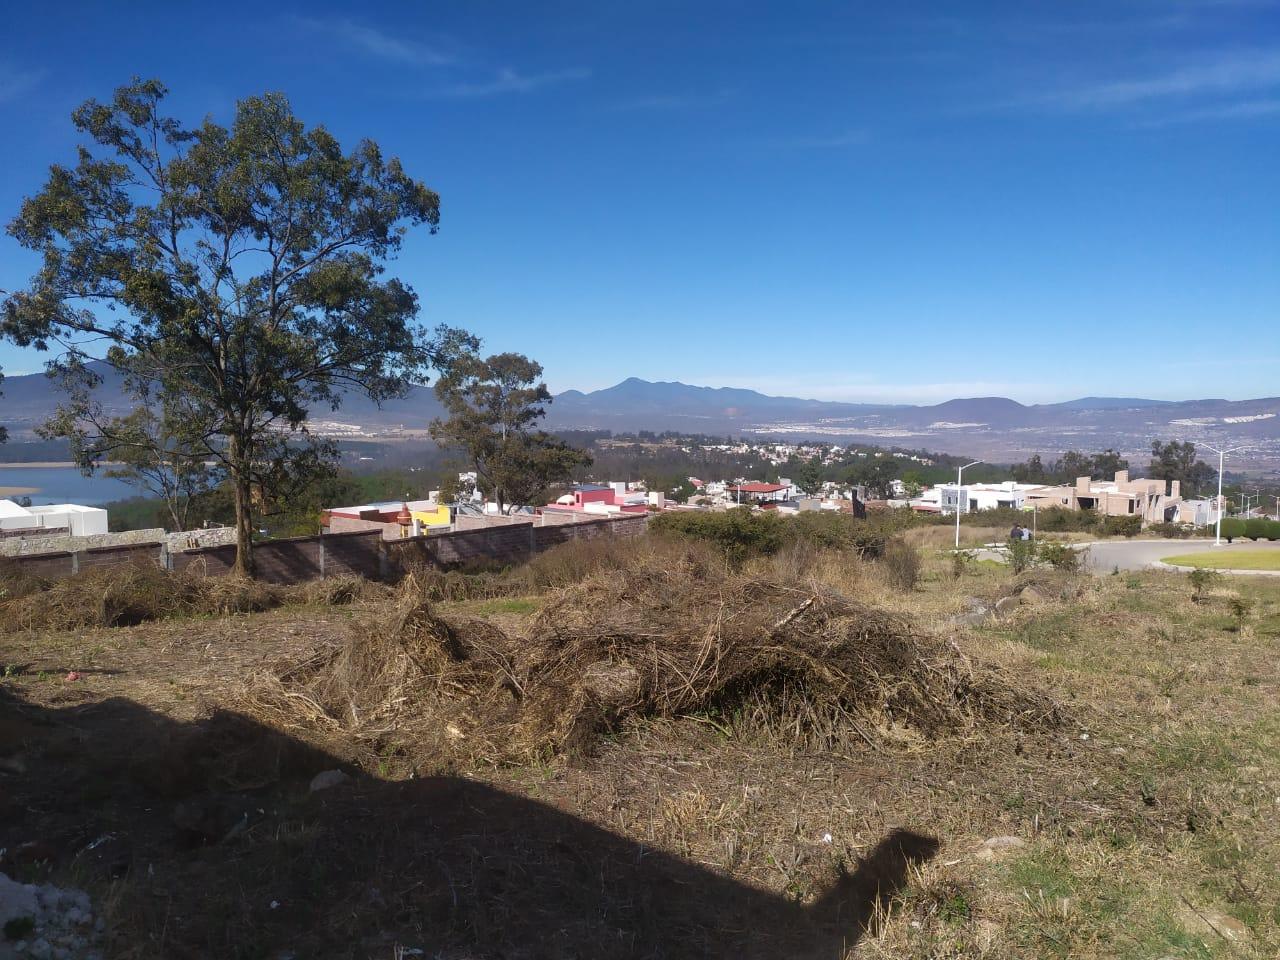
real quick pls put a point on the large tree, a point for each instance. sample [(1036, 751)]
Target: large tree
[(237, 270), (1176, 460), (495, 404)]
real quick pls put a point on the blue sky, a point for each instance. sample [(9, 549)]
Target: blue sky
[(902, 202)]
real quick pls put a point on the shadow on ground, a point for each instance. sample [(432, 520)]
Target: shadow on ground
[(203, 840)]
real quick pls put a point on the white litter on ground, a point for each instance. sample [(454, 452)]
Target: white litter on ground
[(45, 922)]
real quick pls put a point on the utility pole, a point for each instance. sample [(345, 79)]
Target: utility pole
[(1217, 536), (959, 471)]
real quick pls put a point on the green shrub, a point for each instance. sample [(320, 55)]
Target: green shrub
[(1172, 531), (1255, 528), (960, 561), (1022, 554), (1232, 527), (738, 533), (742, 533), (1122, 526), (1272, 529), (1203, 579), (1061, 520), (1061, 556)]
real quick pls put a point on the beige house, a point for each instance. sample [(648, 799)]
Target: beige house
[(1152, 500)]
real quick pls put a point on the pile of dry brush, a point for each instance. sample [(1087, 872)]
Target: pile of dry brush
[(129, 594), (667, 636)]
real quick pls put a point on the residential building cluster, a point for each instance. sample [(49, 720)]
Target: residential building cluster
[(1155, 501)]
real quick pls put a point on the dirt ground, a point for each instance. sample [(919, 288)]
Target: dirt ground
[(1143, 826)]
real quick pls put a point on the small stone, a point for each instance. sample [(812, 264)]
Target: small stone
[(1006, 605), (996, 847), (327, 779), (1215, 922), (1032, 595)]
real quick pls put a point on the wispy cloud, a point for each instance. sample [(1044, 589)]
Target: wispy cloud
[(664, 102), (1241, 110), (378, 43), (509, 81), (1231, 73), (14, 82)]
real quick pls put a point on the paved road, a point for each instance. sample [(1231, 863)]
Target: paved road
[(1140, 554)]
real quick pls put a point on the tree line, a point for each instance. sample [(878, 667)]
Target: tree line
[(1170, 460)]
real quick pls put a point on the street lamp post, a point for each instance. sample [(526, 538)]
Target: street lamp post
[(959, 472), (1217, 534)]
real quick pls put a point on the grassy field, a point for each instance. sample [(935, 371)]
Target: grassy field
[(1241, 560), (1137, 821)]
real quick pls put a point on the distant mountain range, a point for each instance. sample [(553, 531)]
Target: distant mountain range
[(995, 428)]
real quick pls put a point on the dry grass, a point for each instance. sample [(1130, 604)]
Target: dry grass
[(679, 636), (1149, 808), (131, 594)]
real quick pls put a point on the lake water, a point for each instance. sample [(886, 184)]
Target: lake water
[(65, 485)]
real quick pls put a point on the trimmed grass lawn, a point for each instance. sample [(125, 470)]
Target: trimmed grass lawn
[(1243, 560)]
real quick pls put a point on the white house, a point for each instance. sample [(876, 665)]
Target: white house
[(974, 496), (1199, 512), (55, 518)]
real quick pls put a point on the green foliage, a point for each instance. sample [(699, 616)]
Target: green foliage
[(740, 533), (157, 448), (1098, 466), (1203, 580), (1122, 526), (1176, 460), (494, 405), (1240, 610), (1172, 531), (809, 475), (961, 561), (235, 272), (1232, 527), (1256, 528), (1022, 554), (1060, 556)]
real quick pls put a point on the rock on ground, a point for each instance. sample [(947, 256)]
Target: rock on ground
[(327, 779), (46, 922), (996, 847)]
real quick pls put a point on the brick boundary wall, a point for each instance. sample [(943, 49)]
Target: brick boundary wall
[(361, 553)]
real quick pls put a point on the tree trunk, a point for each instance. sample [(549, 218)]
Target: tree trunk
[(244, 507), (244, 529)]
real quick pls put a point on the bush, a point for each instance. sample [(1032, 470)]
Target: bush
[(902, 564), (1061, 520), (1061, 556), (1255, 528), (960, 560), (1272, 529), (1232, 527), (738, 533), (1122, 526), (742, 533), (1022, 554), (1172, 531), (1203, 579)]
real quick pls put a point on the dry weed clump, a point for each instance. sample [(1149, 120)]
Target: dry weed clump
[(127, 595), (659, 639), (15, 582)]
